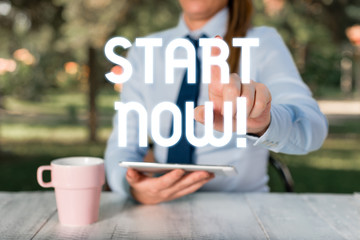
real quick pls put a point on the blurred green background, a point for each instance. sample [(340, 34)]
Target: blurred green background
[(55, 101)]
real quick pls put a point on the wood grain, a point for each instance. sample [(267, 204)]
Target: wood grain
[(32, 215), (288, 216), (23, 215), (199, 216), (342, 213), (112, 207)]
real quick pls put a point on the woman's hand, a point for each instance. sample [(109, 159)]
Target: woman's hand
[(172, 185), (258, 101)]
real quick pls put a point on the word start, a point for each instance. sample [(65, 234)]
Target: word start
[(188, 63)]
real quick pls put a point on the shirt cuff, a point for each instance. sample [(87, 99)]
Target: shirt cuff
[(278, 131)]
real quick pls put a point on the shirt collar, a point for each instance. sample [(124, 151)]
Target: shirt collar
[(216, 26)]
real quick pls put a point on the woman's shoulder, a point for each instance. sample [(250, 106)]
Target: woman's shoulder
[(262, 32)]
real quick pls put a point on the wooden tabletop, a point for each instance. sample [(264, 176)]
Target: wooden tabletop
[(32, 215)]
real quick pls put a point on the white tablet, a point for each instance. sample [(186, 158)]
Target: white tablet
[(219, 170)]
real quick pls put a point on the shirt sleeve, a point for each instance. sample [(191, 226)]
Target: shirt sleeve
[(132, 152), (297, 125)]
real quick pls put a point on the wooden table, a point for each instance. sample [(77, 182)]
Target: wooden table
[(32, 215)]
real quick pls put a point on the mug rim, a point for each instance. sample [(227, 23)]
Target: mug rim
[(60, 161)]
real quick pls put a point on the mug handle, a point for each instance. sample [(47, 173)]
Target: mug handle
[(40, 171)]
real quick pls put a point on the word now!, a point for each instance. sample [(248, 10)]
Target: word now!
[(208, 138), (190, 62)]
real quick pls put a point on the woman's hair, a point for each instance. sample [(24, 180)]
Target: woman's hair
[(240, 13)]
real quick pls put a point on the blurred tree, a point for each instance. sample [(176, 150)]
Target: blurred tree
[(314, 30), (90, 23), (56, 32), (27, 33), (25, 25)]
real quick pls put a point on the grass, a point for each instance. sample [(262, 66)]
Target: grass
[(21, 160), (58, 104), (36, 132), (335, 168), (32, 134)]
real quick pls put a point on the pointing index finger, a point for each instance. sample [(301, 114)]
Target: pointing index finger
[(215, 70)]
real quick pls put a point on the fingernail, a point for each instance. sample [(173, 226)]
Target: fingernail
[(197, 115), (131, 174), (207, 175), (217, 36), (180, 172)]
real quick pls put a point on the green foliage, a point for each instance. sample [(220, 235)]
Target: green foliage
[(92, 23), (64, 32), (30, 82), (315, 44), (28, 26), (87, 24), (145, 17), (322, 71), (25, 83)]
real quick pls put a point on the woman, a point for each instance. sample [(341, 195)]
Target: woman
[(282, 115)]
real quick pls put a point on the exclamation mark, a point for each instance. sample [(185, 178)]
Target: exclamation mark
[(241, 121)]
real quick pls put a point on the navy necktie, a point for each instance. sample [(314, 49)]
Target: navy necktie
[(182, 151)]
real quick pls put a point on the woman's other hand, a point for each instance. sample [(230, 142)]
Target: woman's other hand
[(172, 185)]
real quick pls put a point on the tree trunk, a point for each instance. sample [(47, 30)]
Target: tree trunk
[(93, 85), (357, 70)]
